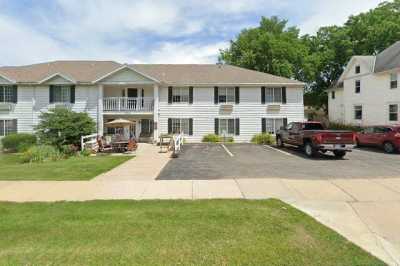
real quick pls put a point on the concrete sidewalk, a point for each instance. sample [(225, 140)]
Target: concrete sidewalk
[(365, 211), (146, 166)]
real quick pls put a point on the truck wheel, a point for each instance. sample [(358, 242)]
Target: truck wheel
[(339, 154), (279, 142), (388, 147), (309, 149)]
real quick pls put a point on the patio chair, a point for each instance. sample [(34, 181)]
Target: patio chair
[(103, 147), (132, 145)]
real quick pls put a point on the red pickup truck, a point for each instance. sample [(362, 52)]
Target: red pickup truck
[(313, 138)]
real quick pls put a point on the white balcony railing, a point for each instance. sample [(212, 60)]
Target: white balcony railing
[(126, 104)]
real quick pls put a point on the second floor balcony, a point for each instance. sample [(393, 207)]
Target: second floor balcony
[(128, 104)]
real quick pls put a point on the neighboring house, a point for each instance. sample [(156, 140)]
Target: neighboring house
[(160, 99), (368, 91)]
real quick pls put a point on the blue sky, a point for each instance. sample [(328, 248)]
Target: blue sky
[(158, 31)]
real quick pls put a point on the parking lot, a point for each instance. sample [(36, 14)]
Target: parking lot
[(212, 161)]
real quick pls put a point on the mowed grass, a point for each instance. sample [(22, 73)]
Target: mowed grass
[(213, 232), (74, 168)]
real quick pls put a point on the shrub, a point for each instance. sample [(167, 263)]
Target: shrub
[(340, 126), (263, 138), (69, 150), (85, 153), (61, 126), (19, 142), (41, 153), (212, 138)]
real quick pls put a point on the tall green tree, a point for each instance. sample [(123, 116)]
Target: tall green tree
[(319, 59), (272, 48)]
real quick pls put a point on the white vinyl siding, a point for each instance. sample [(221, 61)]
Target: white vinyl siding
[(273, 95), (226, 95), (250, 110), (180, 125), (180, 95)]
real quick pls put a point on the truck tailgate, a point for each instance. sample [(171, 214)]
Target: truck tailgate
[(337, 138)]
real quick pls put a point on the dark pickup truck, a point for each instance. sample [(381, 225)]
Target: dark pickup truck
[(313, 138)]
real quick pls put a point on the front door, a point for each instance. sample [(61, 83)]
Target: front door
[(146, 127)]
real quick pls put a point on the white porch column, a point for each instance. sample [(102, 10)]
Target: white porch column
[(155, 113), (100, 123)]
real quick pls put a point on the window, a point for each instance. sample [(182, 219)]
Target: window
[(358, 69), (393, 80), (357, 86), (393, 112), (180, 125), (6, 94), (226, 126), (180, 95), (273, 95), (62, 94), (7, 127), (273, 125), (358, 112), (226, 95), (333, 95)]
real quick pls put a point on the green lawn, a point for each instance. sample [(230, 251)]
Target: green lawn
[(213, 232), (74, 168)]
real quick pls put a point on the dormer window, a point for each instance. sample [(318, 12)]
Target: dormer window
[(393, 80), (8, 94), (358, 69)]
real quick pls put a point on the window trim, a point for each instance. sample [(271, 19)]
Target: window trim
[(354, 112), (181, 95), (9, 131), (227, 126), (394, 81), (390, 113), (357, 86), (273, 89), (357, 69), (180, 126), (225, 89), (10, 94), (274, 124)]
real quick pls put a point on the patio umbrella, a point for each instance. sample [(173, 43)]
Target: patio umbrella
[(119, 123)]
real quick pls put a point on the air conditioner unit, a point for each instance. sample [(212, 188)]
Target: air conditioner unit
[(6, 106), (273, 108), (226, 109)]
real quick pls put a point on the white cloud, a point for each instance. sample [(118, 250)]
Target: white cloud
[(181, 53), (158, 31), (328, 13)]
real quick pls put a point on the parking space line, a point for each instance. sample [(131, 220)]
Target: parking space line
[(227, 151), (278, 150)]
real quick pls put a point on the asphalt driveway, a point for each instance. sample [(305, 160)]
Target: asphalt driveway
[(212, 161)]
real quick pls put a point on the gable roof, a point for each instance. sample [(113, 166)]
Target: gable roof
[(368, 62), (388, 59), (209, 74), (80, 71), (185, 74)]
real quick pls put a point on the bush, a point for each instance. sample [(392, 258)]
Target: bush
[(85, 153), (19, 142), (42, 153), (212, 138), (69, 150), (263, 138), (340, 126), (61, 126)]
